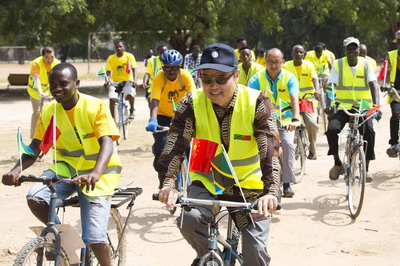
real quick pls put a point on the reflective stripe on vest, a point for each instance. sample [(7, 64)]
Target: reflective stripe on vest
[(44, 79), (351, 89), (243, 152), (81, 157)]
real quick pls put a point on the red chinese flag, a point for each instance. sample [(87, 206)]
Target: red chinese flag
[(128, 67), (200, 156), (382, 73), (48, 138)]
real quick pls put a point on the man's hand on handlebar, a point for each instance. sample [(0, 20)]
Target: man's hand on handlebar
[(88, 180), (152, 126), (107, 84), (292, 126), (11, 179), (168, 196), (317, 96), (379, 115), (267, 204)]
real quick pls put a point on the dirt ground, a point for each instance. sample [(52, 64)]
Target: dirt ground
[(313, 228)]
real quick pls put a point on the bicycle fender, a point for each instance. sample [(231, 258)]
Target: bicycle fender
[(70, 241)]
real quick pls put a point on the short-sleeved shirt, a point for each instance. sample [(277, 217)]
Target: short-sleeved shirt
[(243, 77), (190, 64), (101, 124), (261, 61), (35, 68), (253, 56), (152, 69), (321, 64), (334, 77), (167, 91), (118, 64), (293, 84)]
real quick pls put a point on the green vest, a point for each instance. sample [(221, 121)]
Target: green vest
[(393, 63), (44, 79), (243, 149), (351, 89), (75, 158)]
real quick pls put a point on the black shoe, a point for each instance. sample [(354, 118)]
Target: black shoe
[(335, 172), (131, 114), (288, 192), (392, 151), (195, 262)]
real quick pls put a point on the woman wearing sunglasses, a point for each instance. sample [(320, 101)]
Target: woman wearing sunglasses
[(241, 120)]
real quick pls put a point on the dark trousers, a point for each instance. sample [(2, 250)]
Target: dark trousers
[(160, 138), (394, 123), (335, 126)]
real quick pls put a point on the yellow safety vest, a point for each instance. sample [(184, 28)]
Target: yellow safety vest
[(282, 89), (44, 78), (74, 158), (243, 151), (305, 81), (351, 89), (393, 63)]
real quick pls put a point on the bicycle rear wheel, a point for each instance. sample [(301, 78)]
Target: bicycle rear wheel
[(300, 158), (356, 182), (40, 251), (125, 122), (114, 235)]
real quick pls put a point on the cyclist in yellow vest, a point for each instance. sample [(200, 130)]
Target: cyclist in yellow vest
[(281, 87), (247, 68), (242, 42), (153, 67), (83, 151), (308, 83), (394, 76), (38, 84), (121, 71), (242, 120), (355, 80), (322, 62), (363, 53), (261, 57), (169, 86)]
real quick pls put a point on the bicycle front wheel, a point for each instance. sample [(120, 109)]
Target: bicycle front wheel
[(40, 251), (300, 158), (118, 121), (125, 122), (211, 259), (356, 182), (115, 238)]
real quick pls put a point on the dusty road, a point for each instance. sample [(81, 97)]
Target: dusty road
[(313, 228)]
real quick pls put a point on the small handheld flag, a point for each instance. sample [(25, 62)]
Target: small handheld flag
[(286, 114), (383, 71), (201, 154), (101, 73), (372, 110), (128, 67), (330, 92), (52, 133), (22, 148)]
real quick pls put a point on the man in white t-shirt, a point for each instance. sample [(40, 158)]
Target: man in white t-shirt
[(351, 74)]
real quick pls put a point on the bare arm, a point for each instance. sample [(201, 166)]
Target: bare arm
[(134, 72), (154, 108)]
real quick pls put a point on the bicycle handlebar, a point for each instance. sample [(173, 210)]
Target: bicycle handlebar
[(44, 180), (186, 202), (350, 114), (161, 129), (393, 90)]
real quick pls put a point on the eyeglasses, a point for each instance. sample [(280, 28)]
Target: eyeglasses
[(170, 69), (221, 80), (276, 63)]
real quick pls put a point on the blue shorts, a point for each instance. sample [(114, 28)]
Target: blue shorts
[(94, 210)]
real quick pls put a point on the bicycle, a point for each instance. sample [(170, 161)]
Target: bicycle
[(354, 162), (230, 245), (47, 248), (121, 113)]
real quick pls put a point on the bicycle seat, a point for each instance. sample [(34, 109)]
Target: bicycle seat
[(120, 87)]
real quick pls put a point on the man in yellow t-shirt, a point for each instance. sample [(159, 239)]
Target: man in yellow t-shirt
[(261, 57), (169, 86), (38, 86), (363, 53), (121, 73), (247, 68), (153, 67), (241, 42)]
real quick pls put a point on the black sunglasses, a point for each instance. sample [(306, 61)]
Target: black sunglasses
[(221, 80), (170, 69)]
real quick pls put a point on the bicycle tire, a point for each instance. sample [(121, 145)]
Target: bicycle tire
[(356, 182), (114, 232), (118, 122), (32, 253), (300, 159), (125, 122)]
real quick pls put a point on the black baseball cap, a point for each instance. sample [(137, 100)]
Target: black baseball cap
[(220, 57)]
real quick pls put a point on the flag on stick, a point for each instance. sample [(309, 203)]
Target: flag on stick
[(22, 148), (101, 73), (223, 176), (372, 110), (364, 105), (286, 114), (201, 153), (330, 92), (50, 136), (128, 67), (383, 71)]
